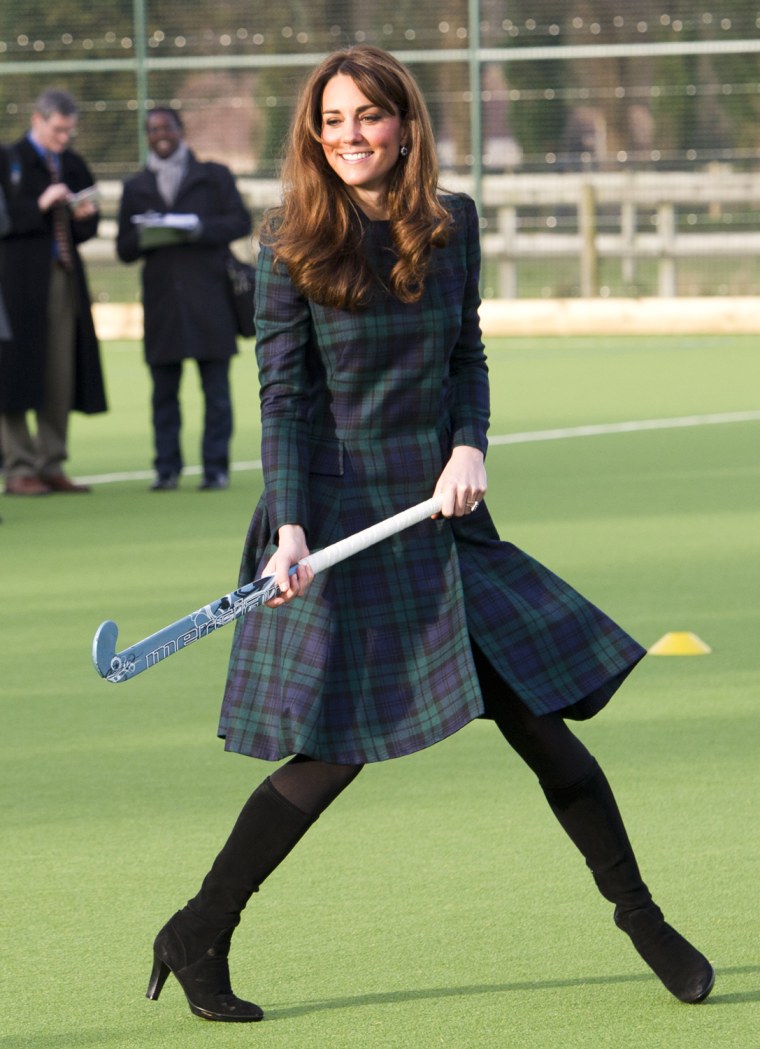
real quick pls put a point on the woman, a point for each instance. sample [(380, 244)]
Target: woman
[(373, 392)]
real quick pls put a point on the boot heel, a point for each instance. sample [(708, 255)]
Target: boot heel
[(158, 977)]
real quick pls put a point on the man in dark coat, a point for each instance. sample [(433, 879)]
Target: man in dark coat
[(5, 328), (52, 364), (180, 215), (5, 225)]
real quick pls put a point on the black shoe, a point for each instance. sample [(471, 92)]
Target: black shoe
[(214, 483), (206, 979), (165, 483), (682, 968)]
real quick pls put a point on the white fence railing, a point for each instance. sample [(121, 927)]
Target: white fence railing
[(621, 197), (626, 195)]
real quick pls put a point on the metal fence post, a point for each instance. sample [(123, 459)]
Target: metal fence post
[(476, 121), (141, 74)]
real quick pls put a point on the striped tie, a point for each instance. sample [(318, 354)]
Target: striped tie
[(61, 227)]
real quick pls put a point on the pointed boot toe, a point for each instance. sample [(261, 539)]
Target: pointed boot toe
[(684, 970)]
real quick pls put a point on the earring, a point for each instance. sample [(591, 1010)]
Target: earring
[(404, 151)]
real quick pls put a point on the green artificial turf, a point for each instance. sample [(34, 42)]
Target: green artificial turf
[(437, 903)]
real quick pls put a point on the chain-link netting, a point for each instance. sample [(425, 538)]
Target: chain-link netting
[(597, 88)]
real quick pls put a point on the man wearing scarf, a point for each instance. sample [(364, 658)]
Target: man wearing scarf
[(179, 215)]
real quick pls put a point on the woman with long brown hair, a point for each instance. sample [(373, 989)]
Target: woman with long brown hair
[(374, 392), (318, 236)]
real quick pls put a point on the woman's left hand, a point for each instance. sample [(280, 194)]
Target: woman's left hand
[(463, 482), (291, 550)]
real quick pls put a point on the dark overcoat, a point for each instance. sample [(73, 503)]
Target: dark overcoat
[(360, 411), (26, 258), (5, 223), (186, 299)]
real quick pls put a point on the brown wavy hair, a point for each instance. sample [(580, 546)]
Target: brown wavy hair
[(317, 231)]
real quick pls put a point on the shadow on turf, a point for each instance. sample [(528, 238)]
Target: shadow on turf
[(70, 1040), (394, 997)]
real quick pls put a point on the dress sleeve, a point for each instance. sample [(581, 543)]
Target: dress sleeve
[(283, 335), (468, 371)]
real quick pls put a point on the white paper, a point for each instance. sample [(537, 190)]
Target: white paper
[(171, 220)]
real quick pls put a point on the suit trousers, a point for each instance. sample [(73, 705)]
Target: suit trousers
[(167, 417), (43, 454)]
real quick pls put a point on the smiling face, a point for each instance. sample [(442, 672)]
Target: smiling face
[(361, 140), (164, 134)]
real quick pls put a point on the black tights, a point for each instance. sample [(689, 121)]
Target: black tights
[(546, 745), (312, 785)]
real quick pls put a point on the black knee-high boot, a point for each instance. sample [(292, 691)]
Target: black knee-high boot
[(588, 813), (194, 943)]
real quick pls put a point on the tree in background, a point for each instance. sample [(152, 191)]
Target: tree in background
[(598, 111)]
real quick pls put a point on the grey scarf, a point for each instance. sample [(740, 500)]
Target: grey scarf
[(170, 171)]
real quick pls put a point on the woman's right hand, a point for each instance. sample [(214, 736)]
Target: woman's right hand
[(291, 549)]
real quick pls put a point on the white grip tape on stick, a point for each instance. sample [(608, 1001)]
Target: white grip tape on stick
[(352, 544)]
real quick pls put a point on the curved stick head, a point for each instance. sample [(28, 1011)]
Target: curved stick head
[(104, 647)]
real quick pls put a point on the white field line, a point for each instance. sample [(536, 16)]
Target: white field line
[(634, 426), (148, 475), (560, 434)]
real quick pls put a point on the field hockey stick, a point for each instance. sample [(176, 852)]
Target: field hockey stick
[(118, 666)]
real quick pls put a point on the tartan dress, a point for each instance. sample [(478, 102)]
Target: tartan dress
[(360, 411)]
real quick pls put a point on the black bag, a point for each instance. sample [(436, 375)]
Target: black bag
[(242, 282)]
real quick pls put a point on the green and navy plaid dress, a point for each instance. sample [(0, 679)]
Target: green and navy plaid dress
[(360, 411)]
